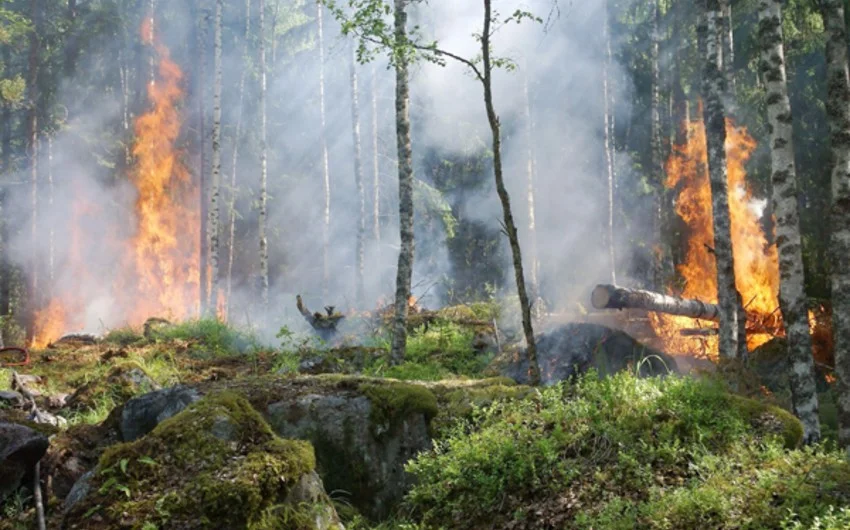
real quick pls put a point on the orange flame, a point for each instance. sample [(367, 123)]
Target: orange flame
[(159, 273), (756, 262)]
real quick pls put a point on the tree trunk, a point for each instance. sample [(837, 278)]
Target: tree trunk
[(656, 158), (376, 171), (215, 186), (323, 139), (681, 116), (530, 198), (609, 159), (264, 244), (714, 116), (510, 227), (613, 297), (359, 296), (32, 143), (405, 188), (51, 247), (728, 45), (202, 150), (237, 136), (71, 44), (838, 115), (792, 295)]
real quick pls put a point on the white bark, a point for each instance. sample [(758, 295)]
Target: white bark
[(376, 171), (326, 178), (792, 295), (530, 199), (358, 180), (715, 132), (215, 185), (264, 243), (838, 115), (609, 156), (405, 188)]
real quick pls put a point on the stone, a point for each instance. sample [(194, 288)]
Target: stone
[(575, 348), (143, 413), (20, 449), (11, 398)]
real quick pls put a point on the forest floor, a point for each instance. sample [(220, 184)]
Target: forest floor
[(599, 452)]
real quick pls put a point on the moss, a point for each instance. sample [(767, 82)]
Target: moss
[(217, 464), (457, 402), (393, 401), (770, 419)]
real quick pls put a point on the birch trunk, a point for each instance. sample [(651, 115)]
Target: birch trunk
[(264, 244), (215, 185), (237, 136), (376, 171), (405, 187), (32, 143), (510, 227), (323, 139), (792, 295), (609, 159), (530, 198), (714, 117), (656, 155), (202, 167), (838, 115), (51, 236), (359, 295)]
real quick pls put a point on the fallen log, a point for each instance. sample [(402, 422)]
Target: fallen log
[(613, 297)]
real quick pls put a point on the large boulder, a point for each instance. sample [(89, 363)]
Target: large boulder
[(20, 449), (216, 464), (575, 348), (142, 414)]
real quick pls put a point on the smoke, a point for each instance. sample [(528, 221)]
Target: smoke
[(560, 64)]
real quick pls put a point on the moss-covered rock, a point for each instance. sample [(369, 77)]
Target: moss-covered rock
[(217, 464), (120, 384)]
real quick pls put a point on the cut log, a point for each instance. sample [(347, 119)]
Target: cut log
[(613, 297)]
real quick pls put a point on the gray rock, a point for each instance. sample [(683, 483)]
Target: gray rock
[(40, 416), (352, 455), (20, 449), (575, 348), (9, 397), (142, 414), (310, 490), (78, 492)]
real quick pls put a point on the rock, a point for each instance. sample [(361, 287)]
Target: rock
[(20, 449), (362, 437), (122, 383), (191, 473), (79, 491), (57, 401), (11, 398), (40, 416), (574, 348), (142, 414)]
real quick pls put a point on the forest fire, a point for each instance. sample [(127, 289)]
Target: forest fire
[(756, 262), (157, 273)]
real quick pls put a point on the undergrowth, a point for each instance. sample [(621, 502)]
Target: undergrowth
[(624, 452), (215, 338)]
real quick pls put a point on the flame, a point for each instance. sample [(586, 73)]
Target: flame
[(756, 261), (158, 274)]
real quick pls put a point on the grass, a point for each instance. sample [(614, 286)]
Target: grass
[(212, 337), (624, 452)]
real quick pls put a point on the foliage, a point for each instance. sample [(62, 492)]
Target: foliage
[(632, 451), (213, 336)]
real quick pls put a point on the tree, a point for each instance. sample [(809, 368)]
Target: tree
[(237, 137), (358, 180), (608, 142), (656, 148), (714, 116), (200, 92), (838, 115), (792, 295), (376, 171), (530, 197), (264, 198), (323, 141), (215, 185), (32, 143)]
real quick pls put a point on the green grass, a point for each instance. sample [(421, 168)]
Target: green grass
[(623, 452), (213, 337)]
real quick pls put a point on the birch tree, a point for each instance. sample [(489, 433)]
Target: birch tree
[(838, 115), (656, 163), (323, 140), (376, 171), (530, 199), (200, 88), (358, 181), (215, 185), (714, 117), (727, 47), (609, 150), (237, 137), (264, 243), (792, 296), (32, 145)]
